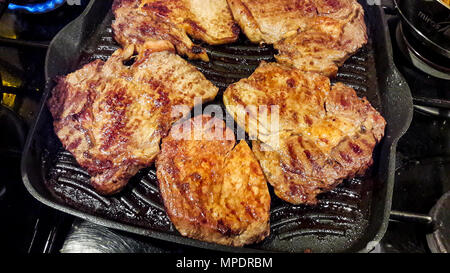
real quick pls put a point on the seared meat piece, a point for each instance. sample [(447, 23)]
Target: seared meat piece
[(270, 21), (213, 190), (312, 35), (111, 117), (299, 97), (325, 44), (324, 133), (138, 21)]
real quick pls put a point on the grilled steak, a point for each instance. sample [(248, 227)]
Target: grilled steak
[(312, 35), (270, 21), (324, 133), (213, 190), (111, 116), (138, 21), (325, 43)]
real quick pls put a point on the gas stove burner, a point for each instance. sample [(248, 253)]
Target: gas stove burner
[(39, 6), (421, 58)]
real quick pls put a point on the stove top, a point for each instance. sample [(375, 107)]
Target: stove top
[(423, 154)]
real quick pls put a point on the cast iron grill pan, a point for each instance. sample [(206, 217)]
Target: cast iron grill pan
[(342, 221)]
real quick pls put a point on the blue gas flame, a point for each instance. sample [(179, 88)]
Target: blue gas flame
[(37, 8)]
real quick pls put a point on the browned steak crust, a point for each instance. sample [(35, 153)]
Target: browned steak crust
[(139, 21), (111, 117), (325, 43), (213, 190), (312, 35), (325, 133)]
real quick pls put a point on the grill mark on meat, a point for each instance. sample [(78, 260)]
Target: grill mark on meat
[(255, 168), (308, 7), (297, 190), (322, 147), (143, 29), (195, 27), (74, 144), (163, 100), (308, 154), (117, 104), (288, 169), (226, 230), (367, 144), (344, 102), (295, 163), (308, 120), (315, 166), (356, 149), (158, 7), (346, 157), (295, 116), (335, 4), (99, 165)]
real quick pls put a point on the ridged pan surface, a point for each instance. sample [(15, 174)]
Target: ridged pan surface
[(338, 223)]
